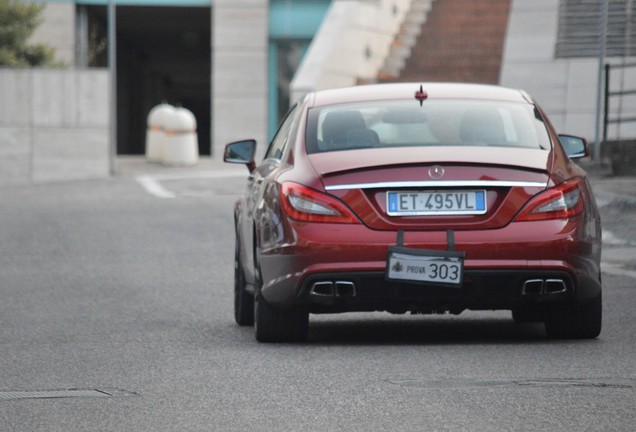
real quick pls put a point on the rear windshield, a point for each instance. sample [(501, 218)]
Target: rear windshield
[(435, 123)]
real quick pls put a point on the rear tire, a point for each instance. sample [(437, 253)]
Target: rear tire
[(243, 301), (274, 325), (574, 321)]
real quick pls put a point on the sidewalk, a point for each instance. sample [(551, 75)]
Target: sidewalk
[(616, 198), (606, 186)]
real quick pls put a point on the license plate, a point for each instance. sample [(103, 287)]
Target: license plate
[(422, 203), (437, 267)]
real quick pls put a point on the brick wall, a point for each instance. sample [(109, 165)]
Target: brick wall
[(461, 40)]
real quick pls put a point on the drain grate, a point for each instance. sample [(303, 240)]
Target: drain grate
[(66, 393)]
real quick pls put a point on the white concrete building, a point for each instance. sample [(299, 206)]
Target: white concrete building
[(539, 57), (231, 63)]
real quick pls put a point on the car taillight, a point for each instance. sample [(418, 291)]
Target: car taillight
[(308, 205), (560, 202)]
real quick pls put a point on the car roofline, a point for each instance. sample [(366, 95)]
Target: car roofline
[(402, 91)]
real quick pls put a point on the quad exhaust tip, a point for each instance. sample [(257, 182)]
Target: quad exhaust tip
[(544, 286), (322, 289), (555, 286), (345, 289), (333, 289)]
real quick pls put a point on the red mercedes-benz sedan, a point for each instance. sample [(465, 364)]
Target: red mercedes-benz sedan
[(421, 198)]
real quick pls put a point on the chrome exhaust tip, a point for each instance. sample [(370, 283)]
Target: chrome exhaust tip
[(345, 289), (555, 286), (322, 289), (329, 292), (532, 287)]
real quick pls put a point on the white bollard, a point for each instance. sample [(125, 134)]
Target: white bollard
[(155, 132), (181, 144)]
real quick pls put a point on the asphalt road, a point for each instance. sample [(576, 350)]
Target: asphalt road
[(117, 295)]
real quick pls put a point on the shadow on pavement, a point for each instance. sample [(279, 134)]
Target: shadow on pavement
[(425, 330)]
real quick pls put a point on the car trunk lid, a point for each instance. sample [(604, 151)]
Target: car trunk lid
[(433, 188)]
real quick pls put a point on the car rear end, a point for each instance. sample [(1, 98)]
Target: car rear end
[(430, 205)]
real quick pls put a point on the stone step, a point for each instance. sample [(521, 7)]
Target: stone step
[(458, 40)]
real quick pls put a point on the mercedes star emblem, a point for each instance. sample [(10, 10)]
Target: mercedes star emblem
[(436, 172)]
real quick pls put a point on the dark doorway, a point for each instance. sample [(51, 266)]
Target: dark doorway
[(163, 55)]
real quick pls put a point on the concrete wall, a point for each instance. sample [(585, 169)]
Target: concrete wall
[(239, 74), (53, 125), (565, 88), (58, 31), (351, 45)]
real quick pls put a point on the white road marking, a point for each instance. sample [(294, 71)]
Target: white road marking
[(197, 175), (617, 269), (611, 240), (152, 183), (154, 187), (620, 252)]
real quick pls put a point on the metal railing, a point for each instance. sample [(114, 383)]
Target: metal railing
[(618, 119)]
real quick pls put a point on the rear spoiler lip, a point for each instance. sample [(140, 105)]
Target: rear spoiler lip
[(436, 183)]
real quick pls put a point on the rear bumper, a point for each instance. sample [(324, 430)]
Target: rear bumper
[(497, 266), (481, 290)]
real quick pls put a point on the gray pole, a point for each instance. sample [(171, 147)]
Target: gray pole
[(599, 85), (112, 67)]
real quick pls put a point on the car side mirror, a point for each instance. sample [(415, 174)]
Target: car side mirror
[(575, 147), (241, 152)]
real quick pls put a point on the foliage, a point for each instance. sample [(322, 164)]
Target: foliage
[(18, 21)]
